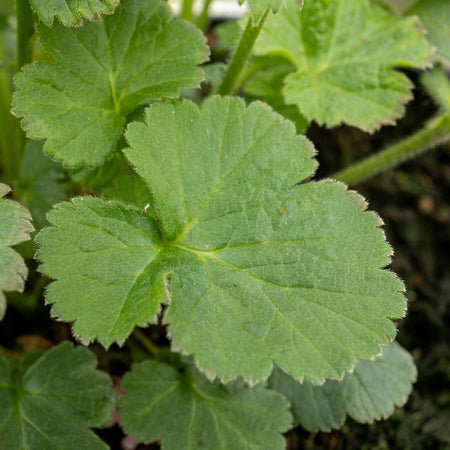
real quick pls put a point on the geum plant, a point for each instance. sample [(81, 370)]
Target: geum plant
[(204, 216)]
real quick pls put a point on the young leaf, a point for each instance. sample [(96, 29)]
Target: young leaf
[(72, 12), (369, 393), (53, 402), (101, 73), (258, 268), (435, 16), (345, 52), (15, 227), (188, 412)]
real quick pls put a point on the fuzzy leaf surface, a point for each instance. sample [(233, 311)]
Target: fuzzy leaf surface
[(370, 392), (72, 12), (435, 16), (259, 269), (51, 403), (345, 52), (187, 411), (101, 73), (15, 227)]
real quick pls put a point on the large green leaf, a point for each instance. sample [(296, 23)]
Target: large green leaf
[(435, 16), (190, 412), (15, 227), (72, 12), (52, 402), (256, 268), (369, 393), (101, 73), (344, 52)]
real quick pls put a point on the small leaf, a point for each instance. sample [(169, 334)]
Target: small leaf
[(72, 12), (255, 268), (52, 402), (370, 392), (15, 227), (435, 16), (101, 73), (188, 412), (344, 52)]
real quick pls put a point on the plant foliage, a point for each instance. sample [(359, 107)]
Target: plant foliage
[(51, 400), (344, 52), (268, 291), (368, 393), (72, 12), (188, 411), (100, 73), (255, 268), (15, 228)]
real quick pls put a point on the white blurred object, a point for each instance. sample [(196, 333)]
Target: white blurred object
[(219, 9)]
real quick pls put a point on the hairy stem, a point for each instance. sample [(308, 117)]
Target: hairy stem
[(186, 10), (145, 342), (241, 55), (203, 18), (435, 133)]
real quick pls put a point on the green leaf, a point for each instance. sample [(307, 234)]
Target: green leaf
[(256, 268), (51, 403), (370, 392), (41, 183), (344, 52), (189, 412), (435, 16), (15, 227), (101, 73), (437, 83), (72, 12)]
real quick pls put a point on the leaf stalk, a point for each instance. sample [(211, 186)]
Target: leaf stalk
[(436, 132), (241, 55)]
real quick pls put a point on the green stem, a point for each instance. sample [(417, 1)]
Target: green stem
[(241, 55), (145, 342), (436, 133), (186, 10), (203, 18), (25, 31)]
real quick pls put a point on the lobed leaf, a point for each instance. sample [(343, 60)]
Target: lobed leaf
[(101, 73), (344, 52), (188, 412), (53, 402), (370, 392), (255, 268), (72, 12), (15, 227)]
